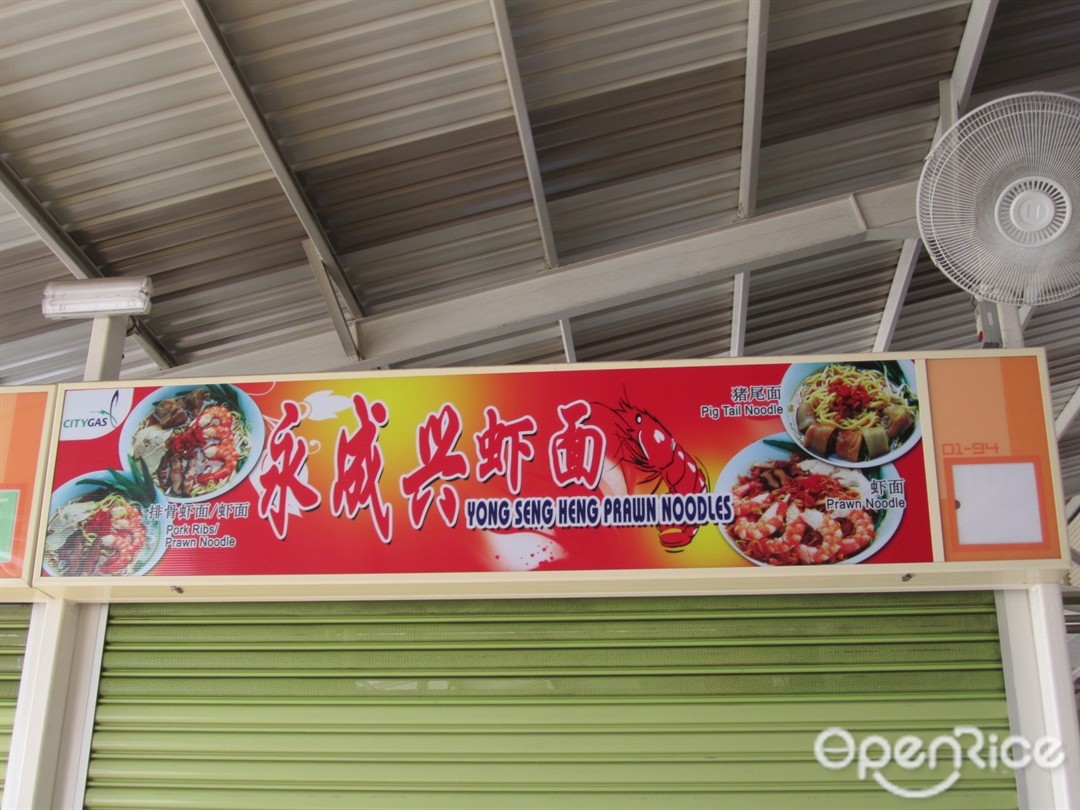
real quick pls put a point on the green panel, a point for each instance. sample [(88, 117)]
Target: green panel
[(14, 624), (702, 702)]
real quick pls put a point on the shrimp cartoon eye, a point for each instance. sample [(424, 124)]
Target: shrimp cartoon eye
[(638, 419)]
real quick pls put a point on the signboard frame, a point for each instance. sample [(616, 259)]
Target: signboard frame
[(938, 574)]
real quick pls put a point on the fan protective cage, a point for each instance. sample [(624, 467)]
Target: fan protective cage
[(997, 200)]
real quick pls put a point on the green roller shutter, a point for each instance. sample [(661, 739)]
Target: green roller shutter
[(696, 702), (14, 624)]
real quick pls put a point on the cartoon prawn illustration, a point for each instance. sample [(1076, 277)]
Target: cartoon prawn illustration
[(643, 443)]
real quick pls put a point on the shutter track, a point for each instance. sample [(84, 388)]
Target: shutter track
[(681, 702)]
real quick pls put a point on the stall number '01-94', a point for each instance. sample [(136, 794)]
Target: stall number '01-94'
[(973, 449)]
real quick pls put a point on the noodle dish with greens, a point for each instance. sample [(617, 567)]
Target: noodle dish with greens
[(855, 413), (102, 527)]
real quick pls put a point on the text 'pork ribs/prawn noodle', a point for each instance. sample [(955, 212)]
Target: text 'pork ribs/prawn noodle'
[(194, 443), (782, 514), (855, 412)]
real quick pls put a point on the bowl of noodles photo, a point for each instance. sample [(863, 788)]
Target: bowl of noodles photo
[(109, 523), (855, 414), (197, 441), (793, 509)]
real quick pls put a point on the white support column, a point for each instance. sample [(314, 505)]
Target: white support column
[(1034, 652), (73, 755), (39, 713), (54, 717), (106, 351), (1041, 704), (54, 714)]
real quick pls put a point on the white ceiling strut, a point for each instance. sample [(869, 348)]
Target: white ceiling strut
[(757, 36)]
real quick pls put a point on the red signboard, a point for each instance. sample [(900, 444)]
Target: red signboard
[(752, 465)]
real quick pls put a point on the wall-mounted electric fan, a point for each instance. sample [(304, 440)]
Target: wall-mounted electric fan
[(998, 198)]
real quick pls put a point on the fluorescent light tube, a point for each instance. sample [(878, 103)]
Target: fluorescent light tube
[(97, 297)]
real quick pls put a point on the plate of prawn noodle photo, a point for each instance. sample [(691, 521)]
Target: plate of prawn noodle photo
[(198, 441), (100, 525), (852, 414), (794, 509)]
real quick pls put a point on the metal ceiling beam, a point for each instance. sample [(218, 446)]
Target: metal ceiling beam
[(708, 257), (969, 54), (241, 93), (71, 255), (524, 128), (890, 317), (1068, 415), (757, 38), (326, 288), (956, 90), (568, 340)]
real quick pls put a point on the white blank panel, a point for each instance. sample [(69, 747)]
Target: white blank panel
[(997, 503)]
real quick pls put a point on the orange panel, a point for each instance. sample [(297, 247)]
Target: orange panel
[(986, 411)]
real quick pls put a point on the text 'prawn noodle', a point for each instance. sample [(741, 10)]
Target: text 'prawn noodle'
[(815, 392)]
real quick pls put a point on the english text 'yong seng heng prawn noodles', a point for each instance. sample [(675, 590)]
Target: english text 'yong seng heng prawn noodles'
[(193, 443), (854, 412), (783, 514)]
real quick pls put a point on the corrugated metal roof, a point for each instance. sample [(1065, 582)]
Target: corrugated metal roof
[(417, 137), (117, 120)]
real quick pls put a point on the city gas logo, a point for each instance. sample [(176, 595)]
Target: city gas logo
[(93, 413)]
